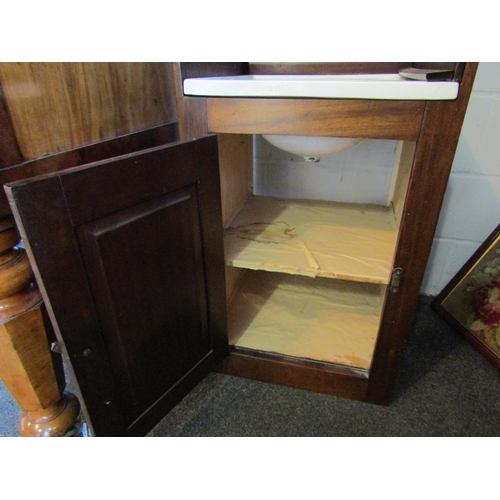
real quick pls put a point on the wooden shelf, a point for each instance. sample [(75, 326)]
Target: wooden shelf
[(324, 320), (313, 238)]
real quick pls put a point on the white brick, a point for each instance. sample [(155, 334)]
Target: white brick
[(360, 175), (446, 259), (471, 208), (478, 149)]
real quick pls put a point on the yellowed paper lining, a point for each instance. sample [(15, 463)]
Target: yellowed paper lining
[(325, 320), (313, 238)]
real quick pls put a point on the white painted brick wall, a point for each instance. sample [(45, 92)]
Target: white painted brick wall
[(471, 208)]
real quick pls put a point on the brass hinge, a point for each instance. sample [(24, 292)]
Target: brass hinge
[(397, 273)]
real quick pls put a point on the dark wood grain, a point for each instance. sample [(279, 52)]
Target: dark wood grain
[(192, 111), (430, 171), (130, 143), (323, 117), (145, 269), (204, 69), (325, 68), (10, 154), (133, 277), (348, 68), (317, 377)]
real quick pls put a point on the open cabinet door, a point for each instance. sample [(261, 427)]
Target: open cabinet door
[(129, 258)]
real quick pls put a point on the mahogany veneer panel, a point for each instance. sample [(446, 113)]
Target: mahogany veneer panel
[(328, 117), (118, 146), (59, 106)]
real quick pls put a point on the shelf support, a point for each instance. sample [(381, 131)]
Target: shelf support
[(397, 275)]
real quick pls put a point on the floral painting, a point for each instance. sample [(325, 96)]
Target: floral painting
[(471, 301)]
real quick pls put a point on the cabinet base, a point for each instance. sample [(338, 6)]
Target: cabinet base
[(310, 376)]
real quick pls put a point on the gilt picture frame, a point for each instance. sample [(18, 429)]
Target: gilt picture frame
[(471, 300)]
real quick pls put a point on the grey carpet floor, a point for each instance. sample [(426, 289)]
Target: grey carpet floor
[(445, 388)]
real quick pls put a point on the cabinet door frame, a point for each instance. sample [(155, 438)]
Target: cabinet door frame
[(49, 208)]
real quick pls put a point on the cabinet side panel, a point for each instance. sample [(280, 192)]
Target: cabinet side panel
[(235, 160), (428, 179), (402, 178)]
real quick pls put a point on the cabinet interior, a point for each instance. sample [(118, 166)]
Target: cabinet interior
[(306, 278)]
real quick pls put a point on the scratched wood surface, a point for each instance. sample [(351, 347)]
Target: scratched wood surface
[(54, 107)]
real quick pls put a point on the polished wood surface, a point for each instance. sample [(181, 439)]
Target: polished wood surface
[(434, 126), (53, 421), (46, 108), (128, 292), (191, 111), (129, 143), (54, 107), (324, 117), (9, 148)]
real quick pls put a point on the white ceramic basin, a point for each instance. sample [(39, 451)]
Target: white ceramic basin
[(379, 86), (312, 148)]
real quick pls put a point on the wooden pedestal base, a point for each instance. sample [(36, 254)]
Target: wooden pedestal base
[(31, 372), (52, 421)]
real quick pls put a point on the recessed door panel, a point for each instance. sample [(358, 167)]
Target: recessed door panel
[(145, 269)]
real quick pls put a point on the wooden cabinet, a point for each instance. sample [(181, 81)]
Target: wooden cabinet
[(323, 302), (130, 258)]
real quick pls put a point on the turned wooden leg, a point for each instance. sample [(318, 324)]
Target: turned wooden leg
[(31, 372)]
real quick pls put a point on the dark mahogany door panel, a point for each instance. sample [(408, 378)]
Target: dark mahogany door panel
[(125, 252)]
